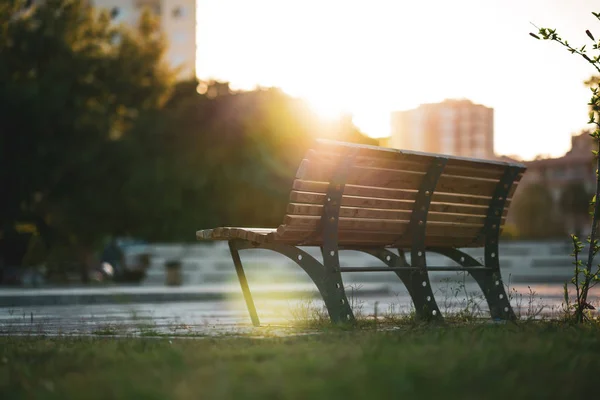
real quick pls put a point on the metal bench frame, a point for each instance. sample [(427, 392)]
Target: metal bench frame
[(328, 276)]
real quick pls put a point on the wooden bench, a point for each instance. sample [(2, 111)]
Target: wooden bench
[(370, 199)]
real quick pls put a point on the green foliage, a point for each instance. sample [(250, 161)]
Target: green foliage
[(575, 203), (585, 275), (257, 142), (575, 199), (71, 85), (218, 159), (532, 219), (96, 140), (510, 231)]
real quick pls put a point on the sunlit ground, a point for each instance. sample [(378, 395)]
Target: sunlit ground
[(291, 307)]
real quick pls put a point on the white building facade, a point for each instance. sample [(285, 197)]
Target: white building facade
[(178, 21)]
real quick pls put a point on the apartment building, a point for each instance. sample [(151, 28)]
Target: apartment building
[(576, 166), (452, 127), (178, 21)]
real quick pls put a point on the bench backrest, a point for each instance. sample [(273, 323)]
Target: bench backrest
[(379, 194)]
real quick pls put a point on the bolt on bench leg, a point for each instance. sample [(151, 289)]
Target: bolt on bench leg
[(492, 286), (333, 293), (490, 282), (419, 287), (416, 282), (336, 301), (425, 304), (235, 255)]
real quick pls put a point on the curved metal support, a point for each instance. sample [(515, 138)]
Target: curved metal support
[(490, 282), (491, 228), (331, 212), (329, 284), (416, 282)]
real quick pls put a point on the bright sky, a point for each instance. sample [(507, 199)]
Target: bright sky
[(371, 57)]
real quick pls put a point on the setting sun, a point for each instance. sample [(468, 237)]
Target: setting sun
[(369, 58)]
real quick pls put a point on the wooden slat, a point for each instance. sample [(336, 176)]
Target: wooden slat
[(374, 213), (259, 235), (366, 202), (298, 222), (359, 238), (396, 194), (486, 171), (292, 236), (393, 179), (323, 145)]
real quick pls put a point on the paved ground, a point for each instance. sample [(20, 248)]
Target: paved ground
[(210, 301), (120, 294), (229, 316)]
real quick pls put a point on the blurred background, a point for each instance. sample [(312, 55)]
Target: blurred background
[(125, 126)]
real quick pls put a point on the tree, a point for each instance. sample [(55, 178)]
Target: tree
[(585, 275), (534, 218), (71, 86), (575, 203), (245, 148), (593, 81), (96, 141)]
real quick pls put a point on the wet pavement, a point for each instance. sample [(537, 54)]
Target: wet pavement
[(228, 315)]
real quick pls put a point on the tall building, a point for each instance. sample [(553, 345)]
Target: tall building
[(453, 127), (178, 21)]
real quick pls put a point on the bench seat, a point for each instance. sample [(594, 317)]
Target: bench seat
[(390, 238)]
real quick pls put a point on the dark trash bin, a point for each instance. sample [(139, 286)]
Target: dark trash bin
[(173, 273)]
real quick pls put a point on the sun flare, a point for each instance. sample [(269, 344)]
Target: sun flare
[(370, 58), (371, 117)]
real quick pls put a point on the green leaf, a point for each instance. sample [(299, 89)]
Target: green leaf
[(587, 32)]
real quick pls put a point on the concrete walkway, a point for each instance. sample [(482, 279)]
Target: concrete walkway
[(21, 297)]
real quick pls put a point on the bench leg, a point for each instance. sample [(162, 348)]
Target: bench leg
[(416, 282), (329, 284), (490, 282), (421, 292), (340, 305), (235, 255)]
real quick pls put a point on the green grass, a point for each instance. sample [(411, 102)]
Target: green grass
[(474, 361)]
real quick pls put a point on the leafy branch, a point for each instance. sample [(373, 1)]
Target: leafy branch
[(584, 278)]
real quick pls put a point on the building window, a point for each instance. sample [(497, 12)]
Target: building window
[(558, 172), (178, 12), (154, 6), (178, 59), (119, 14), (179, 37), (116, 38)]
